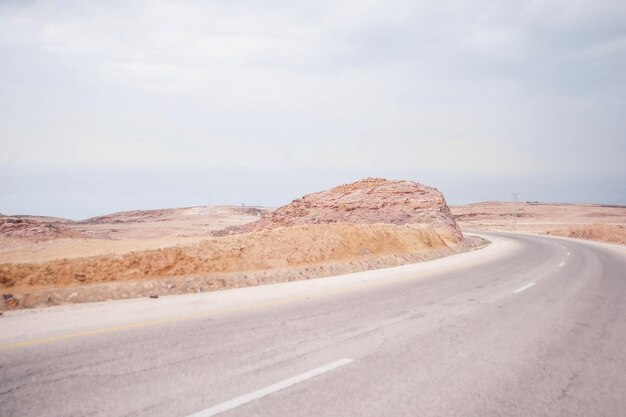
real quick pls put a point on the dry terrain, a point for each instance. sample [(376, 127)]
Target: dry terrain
[(30, 238), (370, 201), (587, 221), (370, 224)]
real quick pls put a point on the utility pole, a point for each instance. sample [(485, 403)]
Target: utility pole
[(515, 210)]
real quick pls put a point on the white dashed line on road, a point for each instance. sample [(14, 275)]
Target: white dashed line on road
[(270, 389), (525, 287)]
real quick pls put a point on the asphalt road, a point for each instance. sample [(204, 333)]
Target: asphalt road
[(531, 326)]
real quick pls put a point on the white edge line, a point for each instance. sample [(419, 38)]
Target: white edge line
[(525, 287), (270, 389)]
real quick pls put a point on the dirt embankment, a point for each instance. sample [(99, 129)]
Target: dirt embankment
[(599, 232), (369, 224), (298, 252)]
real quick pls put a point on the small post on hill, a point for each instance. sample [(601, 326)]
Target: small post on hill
[(515, 210)]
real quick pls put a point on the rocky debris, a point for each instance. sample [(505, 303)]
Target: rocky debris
[(372, 200), (9, 301), (34, 229), (153, 296)]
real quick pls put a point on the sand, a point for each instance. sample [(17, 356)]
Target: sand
[(125, 232), (603, 223)]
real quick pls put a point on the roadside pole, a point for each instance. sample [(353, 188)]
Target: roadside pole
[(515, 210)]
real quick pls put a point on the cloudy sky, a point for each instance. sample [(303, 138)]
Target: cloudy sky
[(115, 105)]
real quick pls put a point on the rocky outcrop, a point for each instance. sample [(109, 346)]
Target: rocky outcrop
[(372, 200), (373, 223), (33, 228)]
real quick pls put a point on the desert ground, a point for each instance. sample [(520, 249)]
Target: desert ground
[(36, 239), (602, 223), (371, 224)]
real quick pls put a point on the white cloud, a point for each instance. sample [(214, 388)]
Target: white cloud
[(324, 84)]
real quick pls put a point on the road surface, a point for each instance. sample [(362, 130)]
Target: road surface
[(529, 326)]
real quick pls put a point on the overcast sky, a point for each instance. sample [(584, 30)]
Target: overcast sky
[(116, 105)]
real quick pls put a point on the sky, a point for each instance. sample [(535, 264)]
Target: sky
[(118, 105)]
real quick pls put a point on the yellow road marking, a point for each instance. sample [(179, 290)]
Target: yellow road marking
[(188, 317)]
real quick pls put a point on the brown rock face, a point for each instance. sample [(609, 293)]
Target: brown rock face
[(372, 200)]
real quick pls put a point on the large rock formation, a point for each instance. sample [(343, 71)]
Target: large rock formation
[(373, 223), (372, 200)]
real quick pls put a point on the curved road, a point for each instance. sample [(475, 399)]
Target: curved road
[(529, 326)]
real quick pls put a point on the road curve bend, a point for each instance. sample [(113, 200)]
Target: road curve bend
[(529, 326)]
